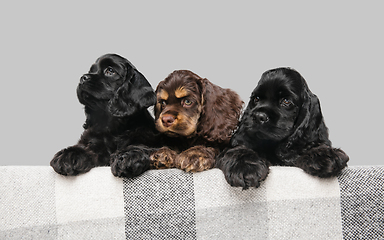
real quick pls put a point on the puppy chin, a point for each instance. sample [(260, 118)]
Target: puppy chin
[(85, 98), (275, 135), (268, 133)]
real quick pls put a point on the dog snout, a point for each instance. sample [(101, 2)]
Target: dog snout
[(168, 120), (261, 117), (85, 78)]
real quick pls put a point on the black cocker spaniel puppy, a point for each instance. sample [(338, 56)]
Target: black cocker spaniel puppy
[(118, 125), (282, 125)]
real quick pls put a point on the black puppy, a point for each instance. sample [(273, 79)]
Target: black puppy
[(116, 97), (282, 125)]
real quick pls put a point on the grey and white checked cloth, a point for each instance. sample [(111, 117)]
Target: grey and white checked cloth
[(37, 203)]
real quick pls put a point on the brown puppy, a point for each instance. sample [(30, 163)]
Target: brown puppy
[(197, 119)]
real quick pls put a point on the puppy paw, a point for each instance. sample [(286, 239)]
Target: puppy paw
[(163, 158), (130, 163), (196, 159), (323, 161), (242, 167), (72, 161)]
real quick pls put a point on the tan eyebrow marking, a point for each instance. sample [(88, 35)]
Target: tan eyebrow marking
[(181, 92), (163, 94)]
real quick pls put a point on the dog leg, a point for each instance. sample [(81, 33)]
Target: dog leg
[(196, 159), (73, 161), (163, 158), (131, 162), (323, 161), (242, 167)]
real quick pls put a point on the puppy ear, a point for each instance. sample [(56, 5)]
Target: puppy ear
[(133, 95), (310, 126), (220, 112)]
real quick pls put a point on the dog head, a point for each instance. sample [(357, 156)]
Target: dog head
[(282, 107), (114, 86), (188, 105)]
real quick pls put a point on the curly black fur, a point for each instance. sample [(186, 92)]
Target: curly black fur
[(116, 97), (282, 125)]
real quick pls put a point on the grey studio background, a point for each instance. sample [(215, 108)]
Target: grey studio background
[(47, 46)]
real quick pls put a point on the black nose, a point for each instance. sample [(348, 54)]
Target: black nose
[(262, 117), (85, 78)]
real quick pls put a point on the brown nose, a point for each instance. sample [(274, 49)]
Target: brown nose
[(167, 120)]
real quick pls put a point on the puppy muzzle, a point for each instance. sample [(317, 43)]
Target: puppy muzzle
[(261, 117), (167, 120), (85, 78)]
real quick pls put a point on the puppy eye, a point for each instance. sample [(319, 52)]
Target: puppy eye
[(162, 103), (286, 102), (187, 103), (109, 71)]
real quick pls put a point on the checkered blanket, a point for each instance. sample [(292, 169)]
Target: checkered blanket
[(37, 203)]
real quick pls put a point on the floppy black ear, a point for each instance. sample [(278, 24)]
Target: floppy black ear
[(134, 95), (310, 127)]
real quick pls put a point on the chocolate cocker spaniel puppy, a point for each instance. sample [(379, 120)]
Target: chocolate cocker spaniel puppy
[(116, 97), (282, 125), (196, 118)]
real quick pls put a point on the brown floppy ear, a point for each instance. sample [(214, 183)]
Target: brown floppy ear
[(220, 112)]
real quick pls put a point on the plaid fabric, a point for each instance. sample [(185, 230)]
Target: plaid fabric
[(36, 203), (160, 205), (362, 201)]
